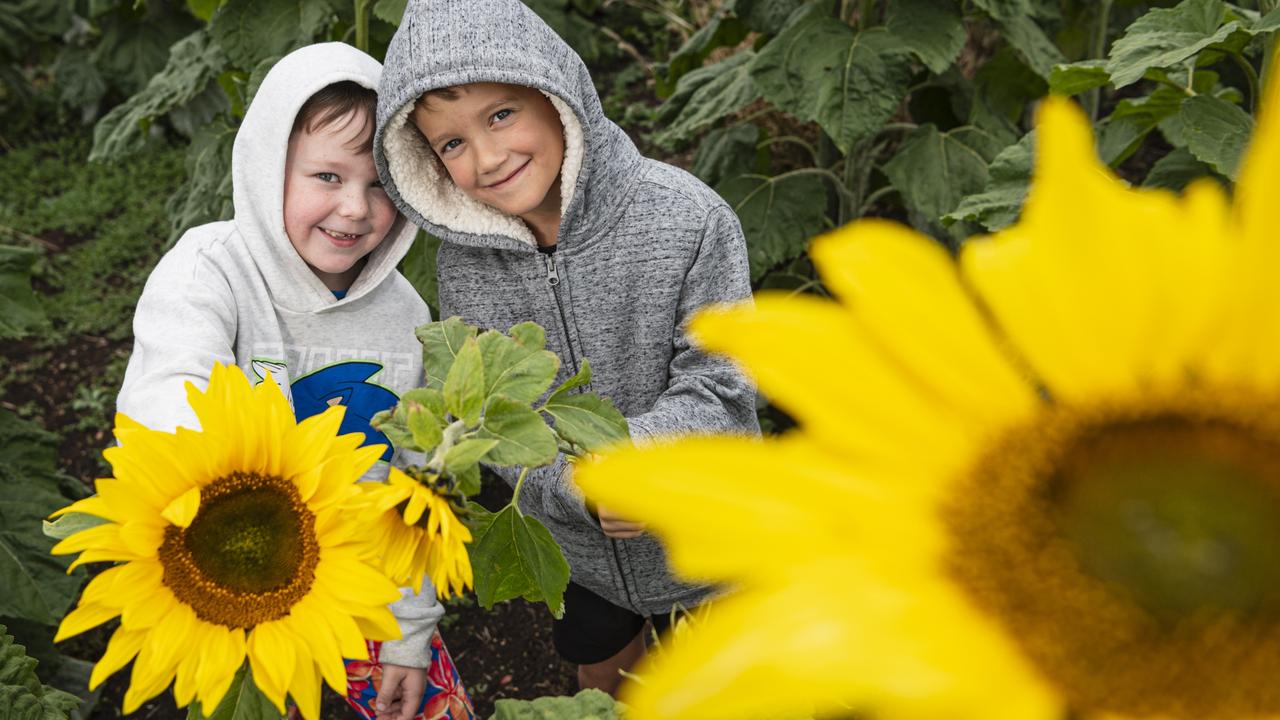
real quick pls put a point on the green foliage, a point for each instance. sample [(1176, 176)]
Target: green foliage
[(1215, 132), (243, 701), (22, 696), (481, 406), (997, 205), (20, 312), (778, 214), (588, 704)]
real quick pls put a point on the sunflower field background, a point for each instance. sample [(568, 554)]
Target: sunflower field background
[(116, 121)]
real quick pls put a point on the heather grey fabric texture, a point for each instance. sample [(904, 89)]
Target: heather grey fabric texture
[(642, 245), (237, 293)]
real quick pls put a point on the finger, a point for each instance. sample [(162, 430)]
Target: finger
[(414, 685), (390, 692)]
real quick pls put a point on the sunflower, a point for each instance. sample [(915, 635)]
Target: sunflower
[(1040, 480), (236, 541), (417, 531)]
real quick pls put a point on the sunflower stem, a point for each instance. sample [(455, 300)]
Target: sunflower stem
[(450, 438), (515, 494)]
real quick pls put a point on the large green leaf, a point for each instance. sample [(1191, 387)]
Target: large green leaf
[(589, 704), (514, 555), (819, 69), (20, 311), (523, 436), (22, 695), (1077, 77), (934, 170), (705, 96), (999, 203), (425, 427), (36, 584), (419, 268), (194, 62), (766, 17), (779, 215), (250, 30), (466, 454), (1031, 42), (587, 420), (933, 30), (243, 701), (464, 385), (723, 30), (1167, 36), (441, 342), (206, 196), (518, 371), (1005, 9), (1216, 132), (390, 11), (128, 58), (729, 152), (1176, 170)]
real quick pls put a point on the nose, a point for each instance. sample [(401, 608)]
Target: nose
[(354, 204), (490, 155)]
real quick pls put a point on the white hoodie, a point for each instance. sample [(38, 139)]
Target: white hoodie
[(236, 292)]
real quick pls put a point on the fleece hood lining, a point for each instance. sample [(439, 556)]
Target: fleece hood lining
[(424, 184)]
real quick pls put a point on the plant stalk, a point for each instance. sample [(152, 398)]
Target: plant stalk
[(515, 494), (1098, 49), (362, 24)]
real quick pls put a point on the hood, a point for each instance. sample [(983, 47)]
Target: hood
[(257, 173), (445, 43)]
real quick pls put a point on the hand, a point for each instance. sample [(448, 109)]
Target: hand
[(401, 692), (618, 527)]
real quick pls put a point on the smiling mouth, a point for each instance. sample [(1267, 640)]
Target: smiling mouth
[(341, 239), (507, 180)]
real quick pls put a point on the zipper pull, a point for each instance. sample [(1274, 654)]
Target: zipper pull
[(553, 275)]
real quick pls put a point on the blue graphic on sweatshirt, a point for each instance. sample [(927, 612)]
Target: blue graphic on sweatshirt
[(346, 384)]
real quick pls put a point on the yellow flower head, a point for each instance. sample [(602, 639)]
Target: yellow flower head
[(1040, 480), (236, 541), (418, 533)]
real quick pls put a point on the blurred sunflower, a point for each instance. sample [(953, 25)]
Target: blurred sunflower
[(236, 541), (417, 531), (1039, 481)]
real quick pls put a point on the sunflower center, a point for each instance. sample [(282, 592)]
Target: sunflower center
[(248, 556), (1131, 554)]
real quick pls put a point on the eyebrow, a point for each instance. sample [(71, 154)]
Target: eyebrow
[(505, 100)]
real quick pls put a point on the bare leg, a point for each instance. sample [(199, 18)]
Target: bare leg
[(604, 675)]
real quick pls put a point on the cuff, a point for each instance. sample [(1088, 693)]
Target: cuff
[(417, 615)]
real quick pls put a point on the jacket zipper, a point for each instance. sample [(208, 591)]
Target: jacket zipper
[(553, 280)]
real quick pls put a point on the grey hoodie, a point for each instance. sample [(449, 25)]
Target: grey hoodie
[(236, 292), (642, 245)]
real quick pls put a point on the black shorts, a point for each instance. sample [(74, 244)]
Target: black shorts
[(594, 629)]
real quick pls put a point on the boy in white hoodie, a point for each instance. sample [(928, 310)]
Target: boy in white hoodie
[(302, 284)]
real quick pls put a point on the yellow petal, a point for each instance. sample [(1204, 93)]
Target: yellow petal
[(417, 503), (305, 690), (121, 649), (272, 657), (223, 657), (308, 624), (84, 617), (183, 509)]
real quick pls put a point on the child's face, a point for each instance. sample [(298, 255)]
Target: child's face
[(502, 145), (335, 210)]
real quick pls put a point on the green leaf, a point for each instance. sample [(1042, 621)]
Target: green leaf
[(466, 454), (1216, 132), (430, 398), (206, 196), (766, 17), (705, 96), (579, 379), (1078, 77), (468, 480), (723, 30), (249, 30), (128, 58), (1176, 170), (729, 152), (934, 170), (1035, 47), (524, 438), (20, 311), (1004, 9), (1167, 36), (515, 556), (1119, 137), (1267, 23), (425, 427), (999, 203), (243, 701), (22, 695), (395, 425), (36, 584), (587, 420), (514, 370), (933, 30), (589, 704), (779, 215), (203, 9), (529, 334), (464, 385), (419, 268), (441, 342), (390, 11), (819, 69), (194, 62), (1005, 87), (70, 524)]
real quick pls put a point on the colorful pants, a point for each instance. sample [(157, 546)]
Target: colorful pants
[(444, 697)]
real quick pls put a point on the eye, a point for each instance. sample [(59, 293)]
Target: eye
[(326, 177), (502, 114), (450, 145)]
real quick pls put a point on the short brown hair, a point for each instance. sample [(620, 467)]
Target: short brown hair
[(446, 93), (346, 99)]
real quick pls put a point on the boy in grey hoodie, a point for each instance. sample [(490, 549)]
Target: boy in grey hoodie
[(302, 284), (491, 136)]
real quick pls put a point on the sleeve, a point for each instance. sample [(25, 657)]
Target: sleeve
[(706, 393), (184, 323), (418, 614)]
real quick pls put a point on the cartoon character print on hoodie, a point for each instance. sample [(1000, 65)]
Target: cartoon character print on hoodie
[(642, 245), (236, 292)]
